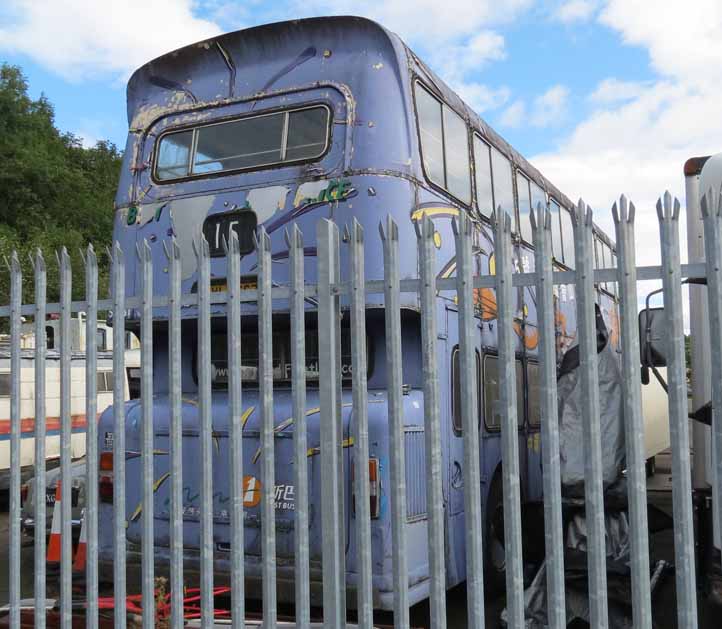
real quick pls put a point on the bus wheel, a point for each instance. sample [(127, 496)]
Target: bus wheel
[(494, 557)]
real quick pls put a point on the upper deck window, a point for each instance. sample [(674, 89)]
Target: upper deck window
[(503, 189), (444, 145), (248, 143), (522, 188), (484, 188)]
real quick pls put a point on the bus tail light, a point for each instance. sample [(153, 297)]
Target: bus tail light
[(105, 480), (374, 488)]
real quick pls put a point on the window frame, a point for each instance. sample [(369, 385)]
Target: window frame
[(519, 361), (474, 136), (469, 147), (459, 430), (517, 173), (557, 256), (563, 208), (3, 376), (285, 111)]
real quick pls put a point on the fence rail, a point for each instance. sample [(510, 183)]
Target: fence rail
[(336, 502)]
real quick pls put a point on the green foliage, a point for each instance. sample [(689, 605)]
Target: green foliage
[(53, 191)]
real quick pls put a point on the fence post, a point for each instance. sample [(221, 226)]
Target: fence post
[(173, 253), (203, 257), (66, 435), (294, 240), (470, 419), (268, 474), (91, 436), (432, 427), (16, 299), (119, 512), (397, 456), (147, 434), (711, 206), (355, 236), (509, 419), (40, 435), (634, 424), (235, 402), (590, 409), (334, 579), (553, 531), (678, 419)]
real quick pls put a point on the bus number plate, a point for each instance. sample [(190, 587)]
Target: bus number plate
[(217, 227)]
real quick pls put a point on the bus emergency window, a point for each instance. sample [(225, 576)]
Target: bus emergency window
[(484, 190), (556, 230), (174, 155), (248, 143), (457, 419), (568, 238), (4, 385), (533, 393), (522, 188), (444, 145), (491, 392), (503, 189)]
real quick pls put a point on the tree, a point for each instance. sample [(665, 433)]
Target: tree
[(53, 191)]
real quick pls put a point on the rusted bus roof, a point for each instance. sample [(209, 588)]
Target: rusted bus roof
[(249, 63)]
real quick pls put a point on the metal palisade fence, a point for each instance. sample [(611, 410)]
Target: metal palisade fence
[(334, 282)]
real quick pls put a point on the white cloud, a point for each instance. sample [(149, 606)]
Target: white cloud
[(640, 135), (79, 39), (514, 115), (550, 107), (427, 21), (575, 11), (615, 91)]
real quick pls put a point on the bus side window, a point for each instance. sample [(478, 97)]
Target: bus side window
[(568, 238), (532, 388), (503, 189), (556, 231), (456, 388), (522, 188), (484, 188), (444, 145), (492, 420)]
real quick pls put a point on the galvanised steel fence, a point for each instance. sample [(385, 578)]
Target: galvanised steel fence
[(333, 283)]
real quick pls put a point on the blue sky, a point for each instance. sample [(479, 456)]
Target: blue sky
[(604, 96)]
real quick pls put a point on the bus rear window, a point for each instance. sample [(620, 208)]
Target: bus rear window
[(248, 143)]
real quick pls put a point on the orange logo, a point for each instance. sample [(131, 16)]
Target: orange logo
[(251, 491)]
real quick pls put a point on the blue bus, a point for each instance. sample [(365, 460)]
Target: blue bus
[(289, 123)]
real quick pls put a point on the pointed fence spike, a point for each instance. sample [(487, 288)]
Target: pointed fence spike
[(660, 211), (676, 209), (630, 214), (615, 214)]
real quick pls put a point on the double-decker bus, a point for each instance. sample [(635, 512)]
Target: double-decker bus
[(294, 122)]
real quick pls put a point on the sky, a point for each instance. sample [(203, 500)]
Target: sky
[(603, 96)]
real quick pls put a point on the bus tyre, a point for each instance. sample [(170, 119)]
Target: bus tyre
[(494, 557)]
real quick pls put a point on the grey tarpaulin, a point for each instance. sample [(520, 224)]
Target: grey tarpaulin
[(570, 419)]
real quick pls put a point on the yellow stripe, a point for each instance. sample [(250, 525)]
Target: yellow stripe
[(156, 485), (433, 211)]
